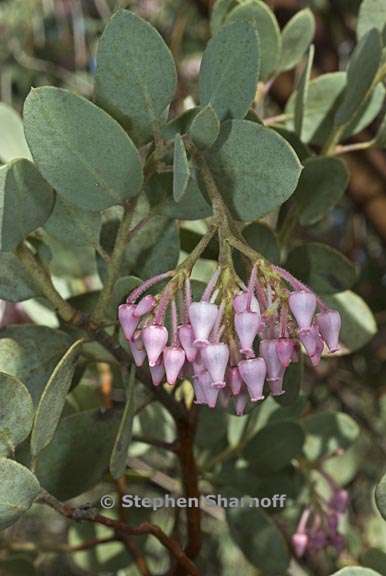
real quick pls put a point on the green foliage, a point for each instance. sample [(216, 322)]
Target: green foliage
[(361, 71), (16, 415), (72, 225), (372, 14), (254, 167), (260, 237), (18, 490), (181, 169), (30, 353), (322, 183), (53, 399), (136, 75), (229, 71), (327, 432), (118, 460), (322, 268), (356, 571), (380, 496), (80, 150), (12, 143), (26, 201), (263, 19), (259, 539), (302, 93), (15, 284), (205, 127), (79, 453), (296, 37)]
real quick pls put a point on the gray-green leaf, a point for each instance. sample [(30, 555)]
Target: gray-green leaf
[(205, 127), (18, 490), (72, 225), (361, 71), (321, 267), (301, 94), (265, 23), (321, 185), (256, 170), (372, 14), (380, 496), (30, 353), (79, 453), (136, 74), (260, 540), (328, 431), (229, 71), (80, 150), (380, 139), (118, 460), (181, 169), (296, 36), (15, 284), (52, 400), (12, 142), (26, 201), (356, 571), (16, 413)]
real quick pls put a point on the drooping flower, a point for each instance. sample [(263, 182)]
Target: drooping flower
[(154, 339), (253, 372), (302, 305), (215, 358), (329, 324), (174, 359)]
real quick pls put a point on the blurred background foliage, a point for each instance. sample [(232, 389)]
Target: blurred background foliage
[(54, 42)]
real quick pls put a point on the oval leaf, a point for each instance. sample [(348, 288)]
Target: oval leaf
[(260, 540), (321, 185), (229, 71), (53, 399), (15, 284), (181, 169), (265, 23), (80, 150), (16, 413), (328, 432), (30, 353), (301, 94), (118, 460), (12, 142), (372, 14), (274, 446), (296, 36), (361, 71), (72, 225), (136, 74), (26, 201), (380, 496), (79, 453), (324, 269), (205, 127), (18, 490), (356, 571), (255, 168), (262, 239)]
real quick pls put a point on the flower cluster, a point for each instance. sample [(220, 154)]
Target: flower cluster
[(233, 340), (318, 528)]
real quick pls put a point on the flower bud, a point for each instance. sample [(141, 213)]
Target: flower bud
[(302, 305), (145, 306), (253, 373), (299, 544), (312, 342), (215, 358), (199, 392), (137, 350), (246, 326), (202, 317), (154, 338), (240, 303), (276, 386), (329, 324), (157, 373), (174, 358), (127, 319), (186, 336), (241, 402), (211, 393), (339, 500)]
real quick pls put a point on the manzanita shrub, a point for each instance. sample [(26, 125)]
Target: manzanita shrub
[(167, 359)]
